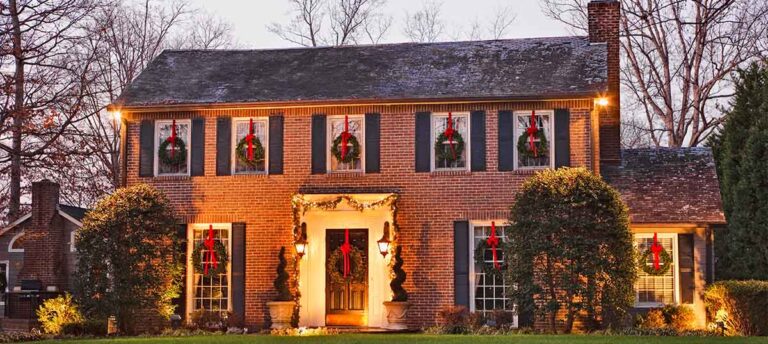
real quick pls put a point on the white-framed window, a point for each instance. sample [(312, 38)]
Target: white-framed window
[(487, 293), (357, 129), (543, 158), (17, 243), (162, 133), (210, 293), (241, 129), (5, 268), (655, 291), (460, 125), (72, 235)]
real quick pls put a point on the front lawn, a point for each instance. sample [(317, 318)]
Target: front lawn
[(420, 338)]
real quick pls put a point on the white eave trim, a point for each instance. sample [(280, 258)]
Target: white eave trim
[(70, 218), (15, 223)]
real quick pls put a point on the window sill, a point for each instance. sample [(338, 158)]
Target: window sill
[(529, 171), (450, 173), (173, 177), (344, 174), (250, 175)]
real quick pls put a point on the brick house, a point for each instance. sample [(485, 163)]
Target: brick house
[(396, 100), (37, 253)]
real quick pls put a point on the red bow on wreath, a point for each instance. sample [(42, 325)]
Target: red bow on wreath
[(493, 242), (210, 255), (449, 131), (346, 248), (532, 130), (172, 138), (250, 139), (656, 250), (345, 135)]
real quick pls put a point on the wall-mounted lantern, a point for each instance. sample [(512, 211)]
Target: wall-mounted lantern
[(384, 241), (301, 243)]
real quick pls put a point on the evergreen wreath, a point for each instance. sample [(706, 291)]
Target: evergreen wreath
[(179, 157), (221, 258), (443, 151), (489, 270), (335, 266), (665, 263), (353, 152), (241, 152), (524, 145)]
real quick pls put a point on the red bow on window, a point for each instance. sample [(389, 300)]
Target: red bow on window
[(493, 242), (345, 135), (656, 249), (532, 130), (449, 131), (346, 248), (210, 255), (249, 139), (172, 138)]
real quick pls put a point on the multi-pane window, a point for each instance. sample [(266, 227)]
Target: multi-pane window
[(656, 290), (489, 292), (257, 163), (543, 143), (179, 157), (355, 128), (210, 293), (445, 155)]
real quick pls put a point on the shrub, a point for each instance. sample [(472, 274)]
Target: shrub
[(55, 313), (17, 337), (503, 319), (281, 281), (654, 319), (454, 319), (128, 262), (570, 250), (207, 320), (679, 318), (741, 305), (96, 328)]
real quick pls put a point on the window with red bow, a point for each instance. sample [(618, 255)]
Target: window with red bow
[(349, 151), (179, 149), (250, 137), (655, 291), (450, 141), (534, 143), (211, 293), (489, 293)]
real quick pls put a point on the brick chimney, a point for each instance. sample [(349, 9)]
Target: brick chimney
[(44, 239), (604, 16)]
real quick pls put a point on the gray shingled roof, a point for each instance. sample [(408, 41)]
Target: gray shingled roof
[(76, 212), (516, 68), (668, 185)]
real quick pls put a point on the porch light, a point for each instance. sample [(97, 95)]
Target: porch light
[(116, 115), (301, 244), (601, 101), (384, 241)]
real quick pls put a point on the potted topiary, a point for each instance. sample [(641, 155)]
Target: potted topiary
[(397, 309), (281, 310)]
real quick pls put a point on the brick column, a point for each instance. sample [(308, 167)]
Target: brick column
[(604, 16), (44, 238)]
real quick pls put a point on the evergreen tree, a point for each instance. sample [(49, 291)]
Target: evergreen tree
[(741, 152)]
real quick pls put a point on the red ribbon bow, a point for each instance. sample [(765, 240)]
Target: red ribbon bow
[(345, 135), (449, 131), (493, 242), (249, 139), (172, 138), (346, 248), (210, 255), (532, 130), (656, 249)]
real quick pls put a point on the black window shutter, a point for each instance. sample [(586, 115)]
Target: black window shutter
[(423, 144), (238, 270), (181, 301), (372, 143), (319, 150), (506, 141), (276, 144), (461, 263), (223, 146), (477, 140), (198, 147), (147, 148), (686, 265), (562, 138)]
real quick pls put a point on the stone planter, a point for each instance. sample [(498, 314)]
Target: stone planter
[(281, 313), (397, 314)]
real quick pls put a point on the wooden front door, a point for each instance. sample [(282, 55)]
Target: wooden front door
[(346, 302)]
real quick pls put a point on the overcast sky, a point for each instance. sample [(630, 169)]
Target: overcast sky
[(250, 18)]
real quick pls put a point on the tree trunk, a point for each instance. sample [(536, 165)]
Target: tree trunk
[(18, 116)]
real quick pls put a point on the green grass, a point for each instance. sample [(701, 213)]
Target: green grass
[(421, 339)]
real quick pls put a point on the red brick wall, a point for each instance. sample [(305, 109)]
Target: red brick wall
[(604, 18), (426, 219)]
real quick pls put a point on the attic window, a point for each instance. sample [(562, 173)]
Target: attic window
[(17, 243)]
